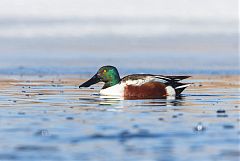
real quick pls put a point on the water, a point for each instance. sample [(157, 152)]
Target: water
[(158, 36), (158, 56), (49, 118)]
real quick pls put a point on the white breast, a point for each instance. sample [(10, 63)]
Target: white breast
[(116, 90)]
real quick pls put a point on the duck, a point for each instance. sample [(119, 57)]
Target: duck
[(136, 86)]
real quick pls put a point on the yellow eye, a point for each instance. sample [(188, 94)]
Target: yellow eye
[(104, 71)]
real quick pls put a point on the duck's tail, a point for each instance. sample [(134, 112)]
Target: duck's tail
[(178, 86), (178, 78)]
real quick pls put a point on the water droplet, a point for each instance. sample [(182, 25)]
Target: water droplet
[(199, 127)]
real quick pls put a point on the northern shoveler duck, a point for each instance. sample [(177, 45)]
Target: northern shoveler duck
[(136, 86)]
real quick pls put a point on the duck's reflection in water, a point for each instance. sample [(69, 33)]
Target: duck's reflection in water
[(115, 103), (120, 102)]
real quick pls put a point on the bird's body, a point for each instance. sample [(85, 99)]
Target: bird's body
[(137, 86)]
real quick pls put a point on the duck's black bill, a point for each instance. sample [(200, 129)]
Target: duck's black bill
[(95, 79)]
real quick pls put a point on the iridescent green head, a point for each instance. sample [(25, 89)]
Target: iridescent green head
[(107, 74)]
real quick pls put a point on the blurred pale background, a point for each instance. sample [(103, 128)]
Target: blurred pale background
[(157, 36)]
